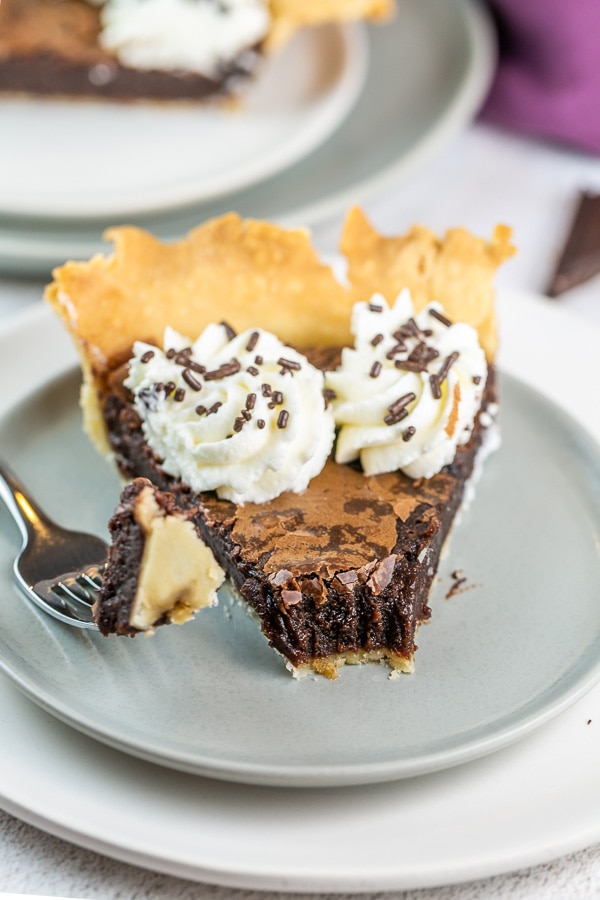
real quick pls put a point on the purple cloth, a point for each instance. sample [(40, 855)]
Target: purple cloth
[(548, 78)]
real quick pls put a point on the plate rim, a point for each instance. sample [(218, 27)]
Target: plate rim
[(395, 873), (298, 775)]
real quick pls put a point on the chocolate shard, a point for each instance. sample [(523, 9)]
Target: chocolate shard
[(580, 259)]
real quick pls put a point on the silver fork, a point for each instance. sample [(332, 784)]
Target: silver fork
[(57, 569)]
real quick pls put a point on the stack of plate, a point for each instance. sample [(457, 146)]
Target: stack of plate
[(341, 113), (486, 759)]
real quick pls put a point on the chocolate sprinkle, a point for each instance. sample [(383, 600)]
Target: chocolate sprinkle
[(283, 418), (411, 365), (401, 402), (410, 329), (179, 394), (436, 389), (437, 379), (201, 410), (215, 407), (170, 353), (252, 370), (250, 401), (375, 369), (223, 371), (260, 423), (400, 347), (258, 360), (252, 341), (375, 307), (447, 365), (195, 366), (266, 390), (228, 330), (440, 317), (182, 358), (406, 435), (423, 353), (476, 379), (376, 340), (190, 380), (395, 417), (288, 365), (147, 356)]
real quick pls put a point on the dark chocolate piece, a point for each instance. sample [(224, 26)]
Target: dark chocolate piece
[(580, 259)]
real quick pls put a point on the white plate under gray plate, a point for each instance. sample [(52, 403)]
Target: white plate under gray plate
[(532, 801), (109, 159), (429, 71), (202, 698)]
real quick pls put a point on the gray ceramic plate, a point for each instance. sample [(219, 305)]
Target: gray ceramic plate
[(429, 71), (212, 698)]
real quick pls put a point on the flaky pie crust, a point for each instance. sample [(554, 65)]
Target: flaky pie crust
[(252, 273)]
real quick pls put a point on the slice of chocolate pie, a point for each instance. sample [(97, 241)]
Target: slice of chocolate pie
[(151, 49), (322, 478)]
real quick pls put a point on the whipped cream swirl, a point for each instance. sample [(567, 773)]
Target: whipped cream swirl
[(242, 415), (200, 36), (407, 394)]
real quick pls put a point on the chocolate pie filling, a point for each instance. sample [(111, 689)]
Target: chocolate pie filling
[(50, 47), (343, 568)]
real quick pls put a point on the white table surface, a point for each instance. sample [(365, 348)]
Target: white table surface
[(482, 178)]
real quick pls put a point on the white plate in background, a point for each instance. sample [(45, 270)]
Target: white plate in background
[(61, 159), (429, 70)]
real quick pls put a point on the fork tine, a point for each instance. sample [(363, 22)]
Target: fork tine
[(73, 595), (60, 605), (89, 585), (75, 603), (72, 591), (49, 550)]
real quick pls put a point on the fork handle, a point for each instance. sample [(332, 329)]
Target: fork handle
[(30, 518)]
